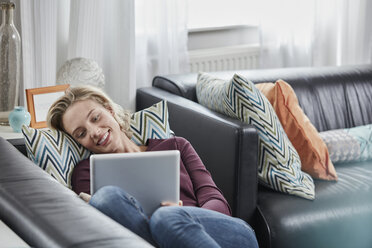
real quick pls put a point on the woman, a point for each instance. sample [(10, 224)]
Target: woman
[(203, 216)]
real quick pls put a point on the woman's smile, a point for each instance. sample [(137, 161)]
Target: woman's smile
[(104, 139)]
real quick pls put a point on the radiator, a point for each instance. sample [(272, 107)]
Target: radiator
[(224, 58)]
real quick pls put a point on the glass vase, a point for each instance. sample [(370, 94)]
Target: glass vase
[(10, 50), (19, 117)]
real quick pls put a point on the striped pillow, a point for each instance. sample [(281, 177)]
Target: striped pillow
[(150, 123), (349, 144), (279, 165), (57, 152), (54, 151)]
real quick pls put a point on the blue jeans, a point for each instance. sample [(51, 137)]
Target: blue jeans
[(174, 226)]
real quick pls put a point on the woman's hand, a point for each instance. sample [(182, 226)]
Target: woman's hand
[(86, 197), (166, 204)]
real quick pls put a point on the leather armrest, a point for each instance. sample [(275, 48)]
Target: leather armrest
[(46, 214), (228, 147)]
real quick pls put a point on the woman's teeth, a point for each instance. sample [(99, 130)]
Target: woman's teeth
[(103, 138)]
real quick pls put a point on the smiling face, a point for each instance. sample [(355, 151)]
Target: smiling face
[(94, 127)]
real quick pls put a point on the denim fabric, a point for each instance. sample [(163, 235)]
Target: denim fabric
[(124, 209), (174, 226), (198, 227)]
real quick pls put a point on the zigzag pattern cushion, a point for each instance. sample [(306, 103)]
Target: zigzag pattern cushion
[(150, 123), (279, 163), (349, 144), (210, 91), (57, 153)]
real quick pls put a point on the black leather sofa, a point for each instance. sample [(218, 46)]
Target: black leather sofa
[(44, 213), (332, 98)]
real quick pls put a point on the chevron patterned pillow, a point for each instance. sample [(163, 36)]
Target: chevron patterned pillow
[(349, 144), (150, 123), (210, 91), (279, 164), (57, 153)]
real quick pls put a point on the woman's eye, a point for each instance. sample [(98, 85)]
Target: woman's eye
[(95, 118), (81, 135)]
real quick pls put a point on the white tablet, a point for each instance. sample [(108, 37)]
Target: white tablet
[(151, 177)]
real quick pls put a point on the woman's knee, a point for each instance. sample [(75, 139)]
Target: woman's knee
[(247, 232), (106, 195), (249, 229), (168, 226), (165, 215)]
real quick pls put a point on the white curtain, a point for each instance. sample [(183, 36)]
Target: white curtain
[(161, 38), (315, 33), (39, 42), (104, 31), (131, 40)]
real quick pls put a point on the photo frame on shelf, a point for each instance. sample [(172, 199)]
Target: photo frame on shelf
[(39, 101)]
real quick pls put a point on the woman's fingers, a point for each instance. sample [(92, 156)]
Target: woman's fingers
[(86, 197), (166, 203)]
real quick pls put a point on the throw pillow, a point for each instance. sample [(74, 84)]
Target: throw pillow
[(57, 153), (279, 163), (210, 92), (349, 144), (54, 151), (301, 132), (150, 123)]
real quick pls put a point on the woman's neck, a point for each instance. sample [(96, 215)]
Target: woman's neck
[(130, 146)]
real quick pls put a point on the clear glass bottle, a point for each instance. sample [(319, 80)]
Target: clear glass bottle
[(10, 52)]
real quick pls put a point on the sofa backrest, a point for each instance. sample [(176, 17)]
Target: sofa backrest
[(332, 97)]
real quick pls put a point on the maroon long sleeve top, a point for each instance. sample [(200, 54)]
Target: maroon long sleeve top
[(197, 187)]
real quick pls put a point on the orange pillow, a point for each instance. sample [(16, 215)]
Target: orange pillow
[(303, 135)]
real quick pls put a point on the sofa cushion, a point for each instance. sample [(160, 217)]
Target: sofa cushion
[(57, 152), (340, 215), (300, 131), (279, 163), (349, 144)]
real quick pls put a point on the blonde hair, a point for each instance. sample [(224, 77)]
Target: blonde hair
[(81, 93)]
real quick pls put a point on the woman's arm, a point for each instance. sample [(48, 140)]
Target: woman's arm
[(80, 179), (208, 194)]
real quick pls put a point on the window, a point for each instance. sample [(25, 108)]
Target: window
[(204, 14)]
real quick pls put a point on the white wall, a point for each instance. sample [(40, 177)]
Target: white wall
[(222, 36)]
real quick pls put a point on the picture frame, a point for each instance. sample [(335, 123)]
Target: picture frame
[(39, 101)]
